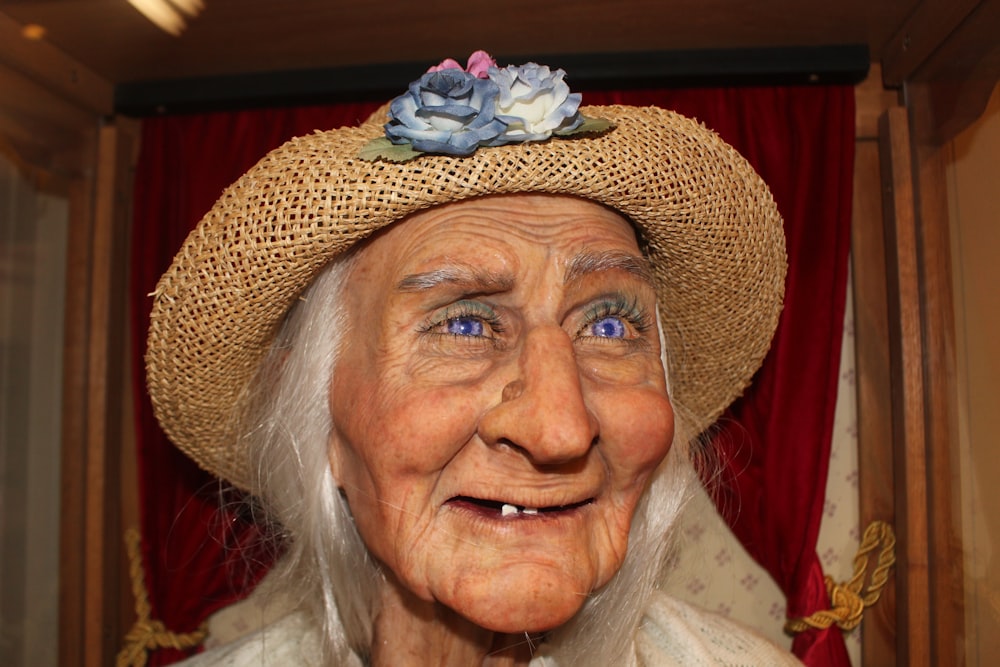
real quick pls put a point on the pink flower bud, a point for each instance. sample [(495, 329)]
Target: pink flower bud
[(447, 63), (480, 63)]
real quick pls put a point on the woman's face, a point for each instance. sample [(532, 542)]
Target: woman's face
[(499, 404)]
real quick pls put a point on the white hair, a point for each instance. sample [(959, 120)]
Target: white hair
[(327, 569)]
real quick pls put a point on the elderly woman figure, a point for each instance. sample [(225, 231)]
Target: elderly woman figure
[(460, 355)]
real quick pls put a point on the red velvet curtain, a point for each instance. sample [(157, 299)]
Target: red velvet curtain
[(773, 444)]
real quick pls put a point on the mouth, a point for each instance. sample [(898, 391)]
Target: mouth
[(499, 508)]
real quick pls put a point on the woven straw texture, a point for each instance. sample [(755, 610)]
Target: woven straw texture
[(712, 231)]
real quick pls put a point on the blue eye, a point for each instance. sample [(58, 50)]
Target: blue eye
[(608, 327), (466, 319), (617, 317), (465, 326)]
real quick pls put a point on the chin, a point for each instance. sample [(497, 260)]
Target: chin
[(525, 600), (516, 621)]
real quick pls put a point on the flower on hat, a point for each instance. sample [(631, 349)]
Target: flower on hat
[(448, 111), (453, 110), (535, 103)]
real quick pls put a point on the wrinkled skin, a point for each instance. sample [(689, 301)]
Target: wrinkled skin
[(500, 351)]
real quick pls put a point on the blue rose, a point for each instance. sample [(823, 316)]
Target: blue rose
[(535, 103), (449, 111)]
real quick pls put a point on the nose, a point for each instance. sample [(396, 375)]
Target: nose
[(542, 412)]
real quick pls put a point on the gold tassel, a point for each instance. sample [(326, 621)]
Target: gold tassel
[(847, 601), (146, 634)]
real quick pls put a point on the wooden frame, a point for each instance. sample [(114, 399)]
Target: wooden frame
[(947, 60), (906, 394), (906, 355), (871, 343), (94, 592)]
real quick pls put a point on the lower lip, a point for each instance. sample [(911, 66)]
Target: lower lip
[(492, 514)]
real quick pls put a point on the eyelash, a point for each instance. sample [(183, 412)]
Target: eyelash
[(462, 310), (628, 309), (620, 306)]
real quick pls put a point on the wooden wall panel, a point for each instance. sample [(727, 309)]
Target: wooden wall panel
[(945, 556), (906, 363), (872, 358), (871, 341), (73, 489), (93, 554)]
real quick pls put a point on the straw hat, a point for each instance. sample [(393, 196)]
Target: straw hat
[(707, 221)]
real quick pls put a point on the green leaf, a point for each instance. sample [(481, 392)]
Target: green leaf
[(383, 149), (589, 125)]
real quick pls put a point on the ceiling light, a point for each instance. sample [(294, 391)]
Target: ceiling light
[(169, 15), (33, 31)]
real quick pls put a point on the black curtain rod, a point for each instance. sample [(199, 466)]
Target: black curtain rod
[(798, 65)]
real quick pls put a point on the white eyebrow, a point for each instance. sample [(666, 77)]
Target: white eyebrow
[(475, 278), (610, 260)]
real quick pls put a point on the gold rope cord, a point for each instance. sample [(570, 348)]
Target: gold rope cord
[(146, 634), (847, 601)]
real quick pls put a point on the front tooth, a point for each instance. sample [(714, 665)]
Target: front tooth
[(530, 510), (507, 510)]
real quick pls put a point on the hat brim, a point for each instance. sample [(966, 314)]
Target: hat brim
[(708, 222)]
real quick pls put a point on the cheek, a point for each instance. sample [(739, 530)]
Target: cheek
[(637, 434), (398, 438), (392, 450), (422, 429)]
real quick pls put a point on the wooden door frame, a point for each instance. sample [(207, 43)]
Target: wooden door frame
[(946, 62), (95, 597)]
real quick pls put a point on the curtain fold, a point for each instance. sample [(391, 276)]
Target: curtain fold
[(772, 446)]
